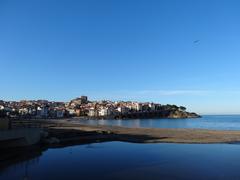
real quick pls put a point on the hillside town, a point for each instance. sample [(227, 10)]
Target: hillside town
[(82, 107)]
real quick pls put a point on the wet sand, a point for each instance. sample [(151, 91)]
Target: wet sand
[(139, 135)]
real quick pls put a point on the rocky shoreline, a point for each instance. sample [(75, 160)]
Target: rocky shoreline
[(174, 114)]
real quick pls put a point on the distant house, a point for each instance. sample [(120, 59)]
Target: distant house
[(123, 109), (23, 111), (32, 111), (71, 112), (8, 109), (78, 101), (138, 106), (92, 112), (42, 112), (104, 112), (152, 106), (1, 107), (60, 113), (80, 112), (84, 99)]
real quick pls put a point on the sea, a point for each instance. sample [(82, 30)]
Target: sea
[(213, 122), (121, 160)]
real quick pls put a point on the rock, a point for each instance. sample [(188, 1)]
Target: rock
[(193, 115), (182, 114)]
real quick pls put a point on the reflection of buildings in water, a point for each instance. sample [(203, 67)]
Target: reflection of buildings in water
[(91, 122), (101, 122), (147, 123), (119, 122), (20, 158), (89, 146), (24, 165), (71, 150), (150, 123), (28, 163), (136, 123), (26, 177)]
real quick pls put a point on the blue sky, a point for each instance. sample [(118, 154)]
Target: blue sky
[(141, 50)]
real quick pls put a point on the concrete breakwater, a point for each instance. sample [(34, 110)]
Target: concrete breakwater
[(19, 137)]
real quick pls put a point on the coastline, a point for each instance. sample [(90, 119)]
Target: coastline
[(67, 131), (142, 135), (63, 133)]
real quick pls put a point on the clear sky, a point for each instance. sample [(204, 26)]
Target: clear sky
[(182, 52)]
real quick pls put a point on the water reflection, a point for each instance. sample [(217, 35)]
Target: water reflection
[(26, 176), (206, 122), (117, 160), (20, 165)]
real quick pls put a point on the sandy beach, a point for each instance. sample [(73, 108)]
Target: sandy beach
[(68, 131)]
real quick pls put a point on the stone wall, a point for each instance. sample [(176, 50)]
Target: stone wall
[(4, 124)]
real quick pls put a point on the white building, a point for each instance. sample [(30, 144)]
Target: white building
[(42, 111), (104, 112), (1, 107), (123, 109), (23, 111), (71, 112), (92, 112), (152, 106), (138, 107)]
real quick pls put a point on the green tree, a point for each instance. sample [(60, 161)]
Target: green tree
[(182, 108)]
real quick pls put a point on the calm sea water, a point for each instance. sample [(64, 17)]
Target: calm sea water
[(118, 160), (220, 122)]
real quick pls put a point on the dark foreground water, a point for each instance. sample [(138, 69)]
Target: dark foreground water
[(221, 122), (118, 160)]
